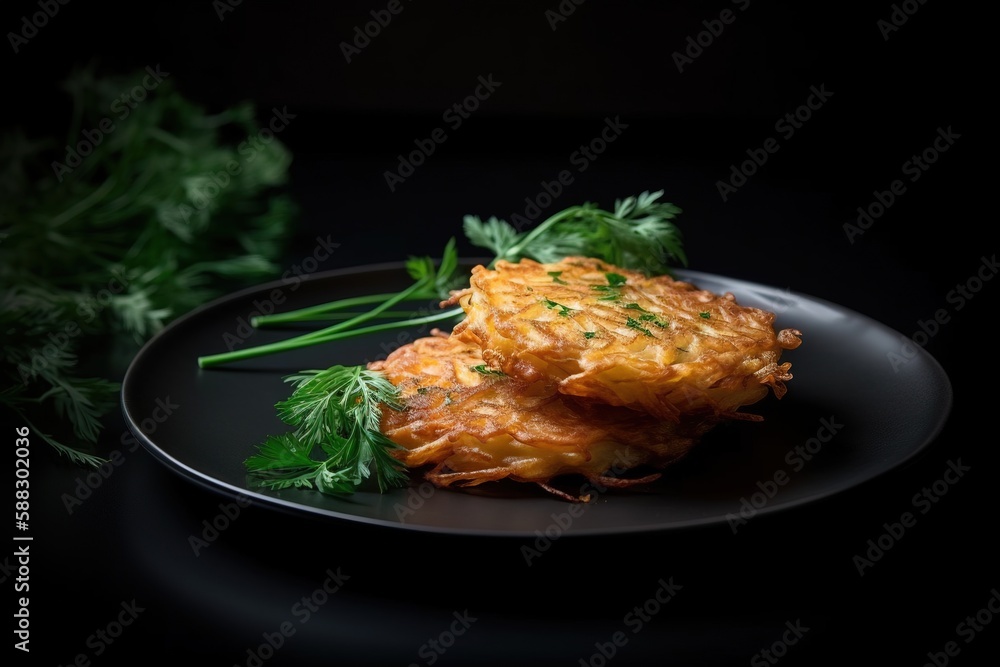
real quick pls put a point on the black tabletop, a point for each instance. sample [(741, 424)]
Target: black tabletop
[(826, 151)]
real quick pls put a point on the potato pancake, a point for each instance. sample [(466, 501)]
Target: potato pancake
[(616, 336), (473, 424)]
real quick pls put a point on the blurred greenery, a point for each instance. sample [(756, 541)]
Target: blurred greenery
[(147, 207)]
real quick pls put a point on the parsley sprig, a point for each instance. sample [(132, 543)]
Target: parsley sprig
[(338, 411), (638, 234)]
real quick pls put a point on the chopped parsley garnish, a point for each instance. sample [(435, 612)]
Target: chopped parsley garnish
[(705, 314), (564, 311), (651, 317), (483, 369), (615, 279), (556, 279), (637, 325), (647, 316), (613, 289), (589, 334)]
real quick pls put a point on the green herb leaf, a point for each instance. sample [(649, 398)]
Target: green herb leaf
[(638, 234), (340, 410), (436, 280), (616, 279), (556, 279), (637, 325), (564, 311), (483, 369), (494, 234), (651, 317), (283, 461)]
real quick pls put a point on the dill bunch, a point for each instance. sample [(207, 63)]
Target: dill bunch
[(144, 209)]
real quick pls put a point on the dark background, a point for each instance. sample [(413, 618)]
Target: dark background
[(685, 130)]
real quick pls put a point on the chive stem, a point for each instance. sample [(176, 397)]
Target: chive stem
[(319, 337)]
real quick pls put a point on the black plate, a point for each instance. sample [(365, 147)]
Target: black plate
[(860, 404)]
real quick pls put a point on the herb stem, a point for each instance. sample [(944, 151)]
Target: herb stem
[(371, 314), (170, 140), (317, 337), (516, 249), (336, 317), (82, 205), (311, 313)]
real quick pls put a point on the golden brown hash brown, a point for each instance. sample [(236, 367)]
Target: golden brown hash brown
[(473, 426), (615, 336)]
